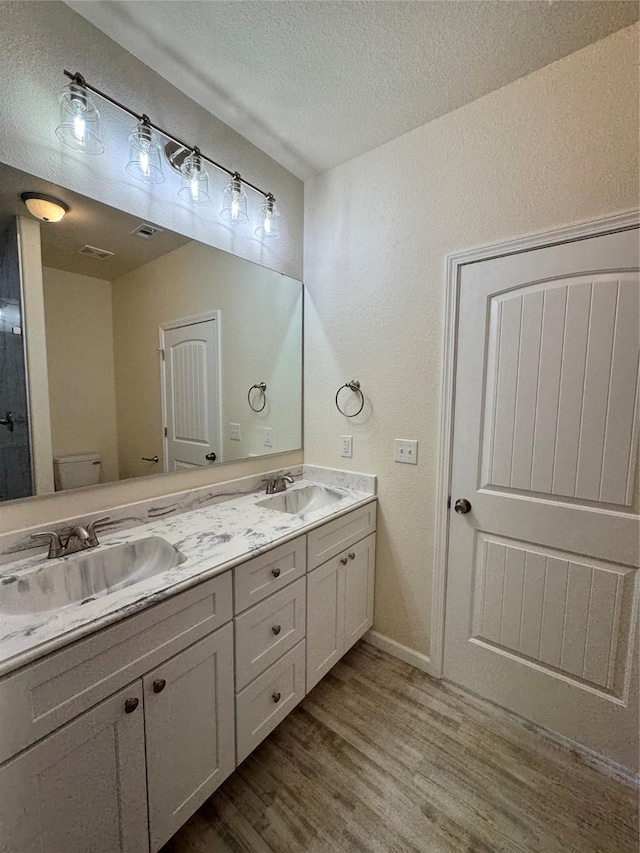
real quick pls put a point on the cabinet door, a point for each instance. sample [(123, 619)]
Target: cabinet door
[(190, 732), (358, 590), (325, 619), (83, 788)]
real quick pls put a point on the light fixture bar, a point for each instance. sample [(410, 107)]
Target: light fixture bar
[(79, 79)]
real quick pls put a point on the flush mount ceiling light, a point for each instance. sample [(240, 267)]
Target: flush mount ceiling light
[(46, 208), (79, 128)]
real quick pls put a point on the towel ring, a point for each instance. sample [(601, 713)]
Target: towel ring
[(353, 385), (262, 387)]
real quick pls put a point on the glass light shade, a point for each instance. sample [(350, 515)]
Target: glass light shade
[(145, 155), (195, 180), (79, 126), (234, 203), (268, 219), (46, 208)]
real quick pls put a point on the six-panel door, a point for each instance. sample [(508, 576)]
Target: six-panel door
[(190, 733), (82, 789)]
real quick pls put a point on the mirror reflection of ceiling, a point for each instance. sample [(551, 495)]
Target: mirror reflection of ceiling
[(87, 222)]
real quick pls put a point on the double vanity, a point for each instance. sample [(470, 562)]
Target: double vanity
[(135, 676)]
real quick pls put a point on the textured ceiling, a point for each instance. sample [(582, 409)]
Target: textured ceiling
[(314, 84), (88, 222)]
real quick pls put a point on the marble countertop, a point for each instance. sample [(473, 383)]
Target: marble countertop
[(213, 539)]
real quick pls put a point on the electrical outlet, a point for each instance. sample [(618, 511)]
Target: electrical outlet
[(234, 432), (346, 446), (406, 451), (268, 437)]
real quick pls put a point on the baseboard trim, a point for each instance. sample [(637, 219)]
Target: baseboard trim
[(403, 653)]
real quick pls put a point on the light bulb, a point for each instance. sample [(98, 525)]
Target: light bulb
[(268, 215), (195, 179), (79, 128), (194, 189), (234, 201), (267, 226), (145, 156)]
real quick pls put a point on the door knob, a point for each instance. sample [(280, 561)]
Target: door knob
[(462, 506), (211, 457)]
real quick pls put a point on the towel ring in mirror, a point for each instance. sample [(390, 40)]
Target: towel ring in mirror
[(262, 388), (353, 385)]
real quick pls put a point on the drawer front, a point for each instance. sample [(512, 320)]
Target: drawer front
[(264, 633), (325, 542), (43, 696), (263, 575), (268, 700)]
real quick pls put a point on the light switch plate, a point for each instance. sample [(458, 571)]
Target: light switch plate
[(406, 451), (234, 432), (346, 446), (268, 436)]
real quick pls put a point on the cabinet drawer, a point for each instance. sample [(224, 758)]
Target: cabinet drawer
[(325, 542), (268, 630), (44, 695), (259, 577), (268, 700)]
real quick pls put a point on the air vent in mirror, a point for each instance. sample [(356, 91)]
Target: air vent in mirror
[(94, 252), (145, 230)]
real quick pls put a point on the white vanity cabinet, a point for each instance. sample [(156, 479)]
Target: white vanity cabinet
[(340, 590)]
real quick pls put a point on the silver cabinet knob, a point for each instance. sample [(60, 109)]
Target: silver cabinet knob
[(462, 506)]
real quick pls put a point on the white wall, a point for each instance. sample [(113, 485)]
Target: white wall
[(557, 147), (37, 41), (79, 329)]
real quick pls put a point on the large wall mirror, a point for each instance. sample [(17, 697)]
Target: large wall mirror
[(128, 350)]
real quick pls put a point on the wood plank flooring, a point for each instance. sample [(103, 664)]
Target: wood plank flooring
[(379, 757)]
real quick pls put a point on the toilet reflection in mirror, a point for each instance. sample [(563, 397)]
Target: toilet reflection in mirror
[(122, 343)]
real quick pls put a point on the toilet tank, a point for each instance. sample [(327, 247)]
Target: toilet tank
[(76, 470)]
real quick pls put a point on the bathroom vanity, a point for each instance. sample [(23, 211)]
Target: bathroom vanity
[(127, 711)]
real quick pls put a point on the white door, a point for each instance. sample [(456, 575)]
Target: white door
[(543, 570), (191, 393), (190, 731), (82, 789)]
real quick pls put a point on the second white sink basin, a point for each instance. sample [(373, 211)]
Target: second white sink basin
[(301, 500), (86, 575)]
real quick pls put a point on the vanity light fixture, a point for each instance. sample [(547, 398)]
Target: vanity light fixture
[(234, 206), (195, 179), (79, 128), (268, 217), (145, 156), (46, 208)]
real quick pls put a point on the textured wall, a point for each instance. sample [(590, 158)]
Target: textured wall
[(554, 148), (82, 394), (38, 40)]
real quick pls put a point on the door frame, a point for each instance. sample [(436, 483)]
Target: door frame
[(453, 268), (177, 324)]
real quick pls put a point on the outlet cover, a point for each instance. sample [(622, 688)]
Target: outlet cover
[(406, 451), (234, 432), (268, 436), (346, 446)]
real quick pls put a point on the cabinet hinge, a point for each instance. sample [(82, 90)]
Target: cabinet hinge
[(165, 435), (448, 499)]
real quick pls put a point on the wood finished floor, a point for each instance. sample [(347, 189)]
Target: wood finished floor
[(380, 757)]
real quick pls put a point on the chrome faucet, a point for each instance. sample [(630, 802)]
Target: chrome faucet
[(277, 484), (71, 539)]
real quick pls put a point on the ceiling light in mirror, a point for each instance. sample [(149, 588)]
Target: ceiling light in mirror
[(195, 180), (145, 154), (234, 203), (79, 126), (46, 208)]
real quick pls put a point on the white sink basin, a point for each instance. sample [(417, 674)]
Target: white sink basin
[(301, 500), (86, 575)]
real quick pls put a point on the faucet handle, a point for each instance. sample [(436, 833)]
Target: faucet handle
[(91, 529), (56, 547)]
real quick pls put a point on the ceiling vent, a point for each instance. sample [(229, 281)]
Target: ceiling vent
[(145, 231), (94, 252)]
